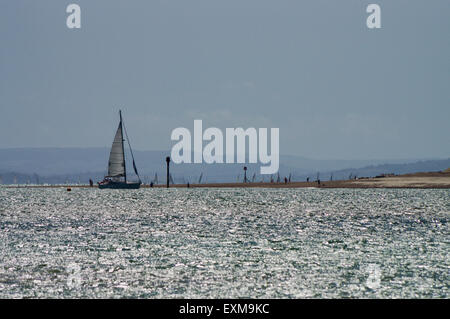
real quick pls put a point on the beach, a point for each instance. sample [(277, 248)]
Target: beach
[(418, 180), (425, 180)]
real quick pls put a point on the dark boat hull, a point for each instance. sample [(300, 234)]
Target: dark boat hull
[(119, 185)]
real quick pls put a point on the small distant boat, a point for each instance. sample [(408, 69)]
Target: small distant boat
[(117, 173)]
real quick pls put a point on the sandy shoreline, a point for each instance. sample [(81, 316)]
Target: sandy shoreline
[(438, 180)]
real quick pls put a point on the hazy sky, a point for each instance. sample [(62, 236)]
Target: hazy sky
[(336, 89)]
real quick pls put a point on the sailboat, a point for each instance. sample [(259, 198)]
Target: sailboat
[(117, 173)]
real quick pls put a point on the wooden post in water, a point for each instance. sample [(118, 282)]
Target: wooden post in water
[(168, 161)]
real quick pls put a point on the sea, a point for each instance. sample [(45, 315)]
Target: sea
[(224, 243)]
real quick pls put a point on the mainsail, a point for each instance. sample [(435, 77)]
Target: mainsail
[(116, 164)]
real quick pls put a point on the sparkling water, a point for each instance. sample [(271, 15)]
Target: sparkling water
[(224, 243)]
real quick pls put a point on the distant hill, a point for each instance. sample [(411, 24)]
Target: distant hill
[(375, 170), (60, 165)]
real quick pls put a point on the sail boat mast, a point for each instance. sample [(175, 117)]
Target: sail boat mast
[(123, 150)]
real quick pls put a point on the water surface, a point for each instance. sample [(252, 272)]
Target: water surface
[(224, 243)]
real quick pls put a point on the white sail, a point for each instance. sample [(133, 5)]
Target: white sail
[(116, 164)]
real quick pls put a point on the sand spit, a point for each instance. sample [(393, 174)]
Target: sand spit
[(417, 180)]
